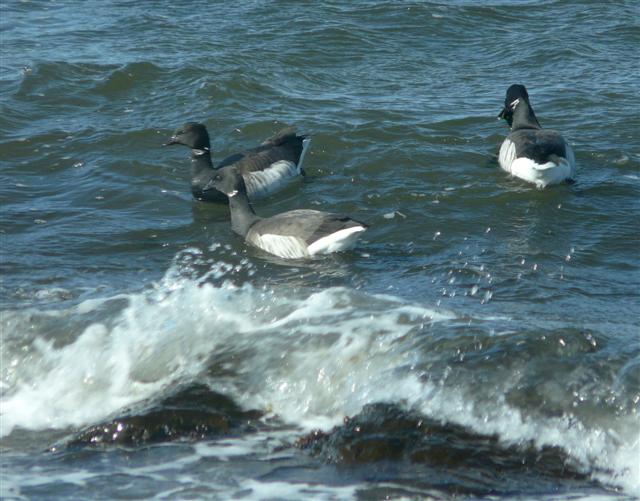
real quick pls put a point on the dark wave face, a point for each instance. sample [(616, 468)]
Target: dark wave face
[(388, 444), (481, 340)]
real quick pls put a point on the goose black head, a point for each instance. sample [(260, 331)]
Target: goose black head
[(193, 135), (515, 93), (228, 181)]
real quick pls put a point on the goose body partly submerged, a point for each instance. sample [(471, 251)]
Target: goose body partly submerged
[(537, 155), (265, 168), (294, 234)]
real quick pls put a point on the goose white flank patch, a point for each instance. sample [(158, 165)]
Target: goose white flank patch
[(292, 235), (265, 168), (537, 155)]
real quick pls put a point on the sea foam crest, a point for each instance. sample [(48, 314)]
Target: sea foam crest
[(309, 357), (158, 338), (174, 331)]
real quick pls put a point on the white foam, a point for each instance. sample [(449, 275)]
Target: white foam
[(310, 358), (271, 444), (167, 335), (155, 341), (306, 143), (259, 490), (588, 447)]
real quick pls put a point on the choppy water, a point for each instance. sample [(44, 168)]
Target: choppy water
[(482, 340)]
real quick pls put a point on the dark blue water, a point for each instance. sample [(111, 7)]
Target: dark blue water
[(482, 340)]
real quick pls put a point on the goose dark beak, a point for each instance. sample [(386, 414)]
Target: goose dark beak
[(172, 140)]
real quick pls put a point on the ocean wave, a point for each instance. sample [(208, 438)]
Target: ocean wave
[(312, 357)]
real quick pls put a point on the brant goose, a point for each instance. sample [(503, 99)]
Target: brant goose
[(293, 234), (529, 152), (265, 168)]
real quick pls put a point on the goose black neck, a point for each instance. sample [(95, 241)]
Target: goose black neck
[(524, 117), (242, 214), (201, 169), (200, 161)]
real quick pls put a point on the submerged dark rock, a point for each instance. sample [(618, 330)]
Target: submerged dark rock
[(156, 426), (387, 436), (192, 413)]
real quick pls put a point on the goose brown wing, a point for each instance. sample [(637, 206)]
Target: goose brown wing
[(263, 156), (538, 145)]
